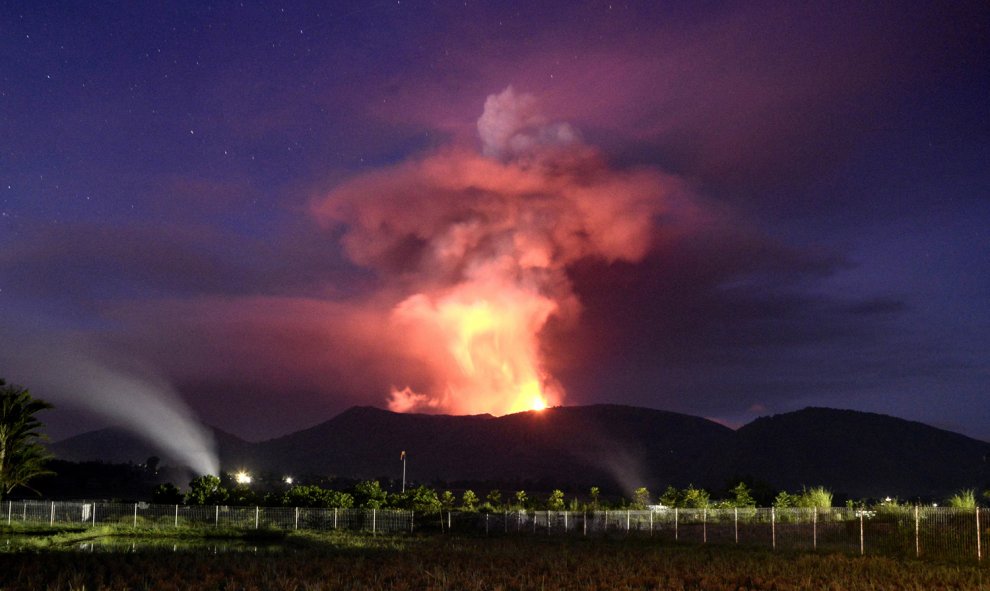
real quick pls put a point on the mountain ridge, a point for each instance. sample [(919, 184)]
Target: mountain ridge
[(852, 452)]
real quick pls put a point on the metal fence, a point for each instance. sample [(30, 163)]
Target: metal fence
[(938, 533), (226, 516)]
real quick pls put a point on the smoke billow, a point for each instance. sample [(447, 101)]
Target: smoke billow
[(142, 403), (476, 246)]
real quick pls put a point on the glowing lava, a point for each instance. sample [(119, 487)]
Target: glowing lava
[(485, 344)]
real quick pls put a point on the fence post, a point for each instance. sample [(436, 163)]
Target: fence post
[(374, 517), (450, 522), (917, 534), (979, 549), (735, 521), (675, 524), (651, 523), (24, 509), (773, 527), (486, 524), (862, 545), (627, 521), (412, 521), (10, 509), (584, 522), (704, 525), (335, 518), (135, 514), (565, 521), (52, 521), (295, 524), (257, 513), (94, 513), (814, 529), (216, 518), (176, 515)]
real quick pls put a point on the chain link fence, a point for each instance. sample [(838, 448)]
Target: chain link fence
[(938, 533)]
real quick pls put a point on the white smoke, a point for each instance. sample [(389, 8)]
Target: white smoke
[(512, 126), (144, 404)]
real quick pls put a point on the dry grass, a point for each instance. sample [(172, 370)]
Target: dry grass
[(465, 563)]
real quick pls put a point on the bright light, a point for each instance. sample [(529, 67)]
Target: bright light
[(242, 477), (288, 479)]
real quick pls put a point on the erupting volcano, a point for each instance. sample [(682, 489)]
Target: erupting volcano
[(472, 250)]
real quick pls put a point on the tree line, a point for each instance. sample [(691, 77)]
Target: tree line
[(369, 494)]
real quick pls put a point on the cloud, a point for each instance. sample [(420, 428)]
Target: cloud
[(478, 244)]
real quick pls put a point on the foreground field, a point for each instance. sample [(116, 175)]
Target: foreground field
[(310, 562)]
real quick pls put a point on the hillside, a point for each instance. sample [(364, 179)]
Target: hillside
[(862, 454), (855, 454)]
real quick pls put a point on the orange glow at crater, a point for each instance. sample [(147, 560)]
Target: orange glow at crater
[(481, 340)]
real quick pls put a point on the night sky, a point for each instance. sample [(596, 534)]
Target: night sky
[(737, 209)]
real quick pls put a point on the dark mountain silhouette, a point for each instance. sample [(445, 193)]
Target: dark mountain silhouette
[(116, 445), (564, 446), (861, 454), (616, 447)]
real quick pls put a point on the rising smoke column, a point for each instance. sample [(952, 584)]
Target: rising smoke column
[(77, 373), (475, 247)]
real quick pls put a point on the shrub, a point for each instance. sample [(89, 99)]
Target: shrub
[(816, 497), (964, 499), (369, 494)]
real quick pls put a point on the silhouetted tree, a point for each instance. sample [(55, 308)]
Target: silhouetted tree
[(22, 457), (166, 494), (641, 498), (595, 494), (469, 501), (555, 502), (206, 490)]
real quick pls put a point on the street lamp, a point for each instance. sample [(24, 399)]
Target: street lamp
[(402, 457), (242, 477)]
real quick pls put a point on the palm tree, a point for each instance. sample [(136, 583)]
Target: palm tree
[(22, 457)]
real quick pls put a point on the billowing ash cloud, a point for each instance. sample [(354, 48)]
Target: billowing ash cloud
[(476, 247)]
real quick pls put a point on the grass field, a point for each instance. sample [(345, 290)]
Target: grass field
[(275, 560)]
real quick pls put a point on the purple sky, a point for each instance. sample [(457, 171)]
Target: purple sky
[(165, 172)]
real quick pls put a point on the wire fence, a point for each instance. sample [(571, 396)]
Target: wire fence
[(937, 533)]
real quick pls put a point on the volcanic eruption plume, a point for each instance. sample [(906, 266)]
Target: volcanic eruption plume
[(474, 250)]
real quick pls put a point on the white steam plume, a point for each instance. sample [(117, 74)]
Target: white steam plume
[(145, 405)]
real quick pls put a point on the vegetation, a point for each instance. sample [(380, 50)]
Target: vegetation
[(816, 497), (334, 561), (206, 490), (964, 499), (369, 494), (641, 498), (22, 457)]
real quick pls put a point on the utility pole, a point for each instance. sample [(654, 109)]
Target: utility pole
[(402, 457)]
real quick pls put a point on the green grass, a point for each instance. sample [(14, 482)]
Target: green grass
[(314, 561)]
